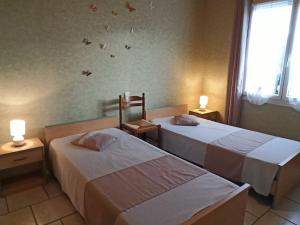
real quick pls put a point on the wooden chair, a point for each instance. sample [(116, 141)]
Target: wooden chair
[(139, 127)]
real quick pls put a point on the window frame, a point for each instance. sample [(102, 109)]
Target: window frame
[(281, 98)]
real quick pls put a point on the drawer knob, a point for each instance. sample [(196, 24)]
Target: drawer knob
[(20, 159)]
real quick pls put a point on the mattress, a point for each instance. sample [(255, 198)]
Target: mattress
[(75, 167), (261, 165)]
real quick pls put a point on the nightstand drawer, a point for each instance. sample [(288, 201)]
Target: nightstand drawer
[(211, 116), (21, 158)]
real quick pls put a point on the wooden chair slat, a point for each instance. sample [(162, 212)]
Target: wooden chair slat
[(135, 104), (135, 98)]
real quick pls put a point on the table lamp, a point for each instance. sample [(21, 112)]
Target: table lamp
[(17, 130), (203, 102)]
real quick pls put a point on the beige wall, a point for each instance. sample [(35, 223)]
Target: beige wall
[(271, 119), (219, 18), (42, 57)]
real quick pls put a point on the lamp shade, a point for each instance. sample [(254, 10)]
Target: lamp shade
[(203, 101), (17, 128)]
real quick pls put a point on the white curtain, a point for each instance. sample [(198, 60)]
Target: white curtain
[(266, 50), (258, 97)]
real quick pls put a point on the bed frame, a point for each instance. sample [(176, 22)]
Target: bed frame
[(63, 130), (287, 177), (234, 204)]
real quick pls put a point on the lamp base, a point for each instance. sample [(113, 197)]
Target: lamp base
[(202, 109), (18, 141)]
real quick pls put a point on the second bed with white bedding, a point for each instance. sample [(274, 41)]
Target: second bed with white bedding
[(260, 166)]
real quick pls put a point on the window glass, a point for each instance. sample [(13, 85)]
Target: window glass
[(267, 46), (294, 74)]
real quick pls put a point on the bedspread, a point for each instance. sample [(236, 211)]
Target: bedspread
[(110, 195), (226, 156)]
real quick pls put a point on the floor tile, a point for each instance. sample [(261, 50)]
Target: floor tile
[(26, 198), (288, 210), (53, 209), (272, 219), (294, 195), (257, 205), (3, 206), (20, 217), (55, 223), (249, 219), (53, 188), (74, 219)]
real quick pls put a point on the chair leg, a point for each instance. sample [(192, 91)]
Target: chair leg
[(158, 137)]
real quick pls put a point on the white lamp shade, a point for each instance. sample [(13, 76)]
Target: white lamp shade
[(17, 128), (203, 101)]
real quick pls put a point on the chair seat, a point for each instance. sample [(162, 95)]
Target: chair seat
[(140, 126)]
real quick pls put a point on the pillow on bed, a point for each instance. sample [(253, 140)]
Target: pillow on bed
[(96, 141), (185, 120)]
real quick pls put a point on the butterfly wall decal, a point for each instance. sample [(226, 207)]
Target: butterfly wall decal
[(114, 13), (103, 45), (129, 7), (107, 28), (93, 8), (86, 41), (151, 5), (86, 73)]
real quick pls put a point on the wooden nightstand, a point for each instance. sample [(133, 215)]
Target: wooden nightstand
[(206, 114), (32, 152)]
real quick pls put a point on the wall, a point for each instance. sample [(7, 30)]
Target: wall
[(42, 56), (271, 119), (219, 19)]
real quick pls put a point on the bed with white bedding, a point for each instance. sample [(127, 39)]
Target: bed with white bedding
[(260, 166), (196, 201)]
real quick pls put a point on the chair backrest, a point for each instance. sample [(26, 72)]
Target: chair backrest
[(134, 101)]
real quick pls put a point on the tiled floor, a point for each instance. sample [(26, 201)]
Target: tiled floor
[(47, 205), (39, 205), (259, 212)]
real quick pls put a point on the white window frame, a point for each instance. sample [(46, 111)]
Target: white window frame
[(280, 99)]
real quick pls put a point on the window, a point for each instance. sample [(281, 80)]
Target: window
[(273, 51), (294, 75)]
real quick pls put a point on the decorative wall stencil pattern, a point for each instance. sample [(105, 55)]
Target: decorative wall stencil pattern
[(42, 58)]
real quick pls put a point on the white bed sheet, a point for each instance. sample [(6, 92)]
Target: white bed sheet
[(74, 167), (260, 167)]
